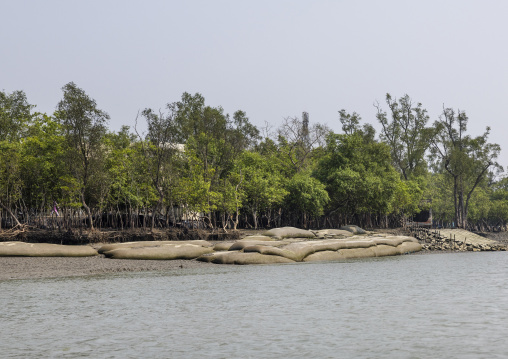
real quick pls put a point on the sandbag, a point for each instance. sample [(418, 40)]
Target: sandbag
[(302, 249), (222, 246), (258, 238), (324, 256), (243, 258), (332, 233), (353, 229), (382, 250), (389, 241), (409, 247), (340, 254), (273, 251), (306, 248), (239, 245), (259, 252), (335, 245), (111, 246), (358, 252), (289, 232), (213, 257), (23, 249), (164, 252)]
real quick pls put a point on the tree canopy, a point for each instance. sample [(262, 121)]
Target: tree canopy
[(198, 166)]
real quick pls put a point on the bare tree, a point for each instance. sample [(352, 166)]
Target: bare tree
[(297, 141)]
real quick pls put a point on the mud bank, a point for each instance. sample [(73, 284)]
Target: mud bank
[(56, 267)]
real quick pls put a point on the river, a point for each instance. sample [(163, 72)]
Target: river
[(442, 305)]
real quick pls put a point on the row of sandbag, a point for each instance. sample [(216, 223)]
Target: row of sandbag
[(250, 251), (292, 232), (279, 245), (262, 249), (165, 250), (22, 249)]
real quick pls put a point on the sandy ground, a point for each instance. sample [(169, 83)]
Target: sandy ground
[(49, 267)]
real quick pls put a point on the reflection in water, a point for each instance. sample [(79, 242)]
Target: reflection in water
[(422, 306)]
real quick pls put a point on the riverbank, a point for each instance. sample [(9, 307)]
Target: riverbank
[(52, 267), (56, 267)]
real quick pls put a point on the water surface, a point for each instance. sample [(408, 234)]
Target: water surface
[(419, 306)]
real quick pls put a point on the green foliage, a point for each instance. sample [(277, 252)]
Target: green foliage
[(358, 176), (127, 172), (198, 162), (351, 126), (408, 196), (10, 172), (306, 196), (498, 212), (84, 127), (43, 151), (15, 115), (480, 205), (263, 186), (464, 159), (406, 135), (215, 139), (83, 123), (194, 188), (440, 192), (71, 192), (160, 151)]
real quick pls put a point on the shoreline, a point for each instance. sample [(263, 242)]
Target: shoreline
[(19, 268), (14, 268)]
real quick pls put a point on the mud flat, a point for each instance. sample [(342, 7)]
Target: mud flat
[(52, 267)]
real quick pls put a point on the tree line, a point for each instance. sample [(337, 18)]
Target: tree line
[(197, 166)]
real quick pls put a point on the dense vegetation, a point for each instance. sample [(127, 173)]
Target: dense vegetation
[(195, 165)]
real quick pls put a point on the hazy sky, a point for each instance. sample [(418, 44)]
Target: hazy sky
[(272, 59)]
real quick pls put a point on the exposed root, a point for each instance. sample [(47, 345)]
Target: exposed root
[(13, 232)]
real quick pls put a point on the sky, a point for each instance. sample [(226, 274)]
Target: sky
[(272, 59)]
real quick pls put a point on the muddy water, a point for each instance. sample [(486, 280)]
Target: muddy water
[(420, 306)]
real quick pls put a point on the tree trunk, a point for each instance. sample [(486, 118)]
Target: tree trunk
[(8, 210), (155, 210), (87, 210), (255, 218)]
